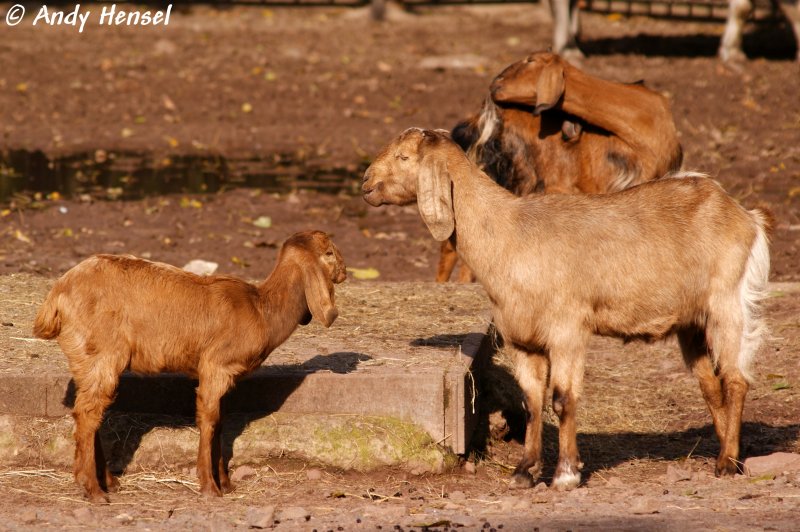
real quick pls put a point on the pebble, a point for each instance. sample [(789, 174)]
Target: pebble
[(124, 519), (263, 517), (774, 463), (83, 514), (644, 505), (457, 496), (242, 472), (28, 516), (292, 513), (470, 468), (677, 474), (314, 474)]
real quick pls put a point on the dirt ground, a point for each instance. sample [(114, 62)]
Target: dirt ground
[(320, 90)]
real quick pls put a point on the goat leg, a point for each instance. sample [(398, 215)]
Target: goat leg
[(107, 481), (88, 414), (219, 458), (567, 378), (209, 394), (447, 262), (531, 372), (698, 358)]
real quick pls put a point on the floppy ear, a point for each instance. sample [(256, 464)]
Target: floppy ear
[(435, 197), (319, 296), (549, 87)]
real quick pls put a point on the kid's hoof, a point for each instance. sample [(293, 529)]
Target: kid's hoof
[(521, 481)]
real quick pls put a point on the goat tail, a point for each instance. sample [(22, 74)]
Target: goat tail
[(47, 324), (752, 289)]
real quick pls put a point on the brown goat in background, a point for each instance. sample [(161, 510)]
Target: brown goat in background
[(115, 313), (550, 127), (670, 256)]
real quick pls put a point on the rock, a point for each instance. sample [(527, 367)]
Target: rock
[(83, 515), (677, 474), (263, 517), (774, 463), (457, 496), (124, 519), (644, 505), (469, 467), (314, 474), (201, 267), (541, 486), (293, 513), (242, 472), (449, 505), (28, 516)]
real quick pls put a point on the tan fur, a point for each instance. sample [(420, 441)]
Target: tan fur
[(551, 127), (115, 313), (675, 255)]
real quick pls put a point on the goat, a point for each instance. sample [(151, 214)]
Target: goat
[(730, 48), (567, 26), (550, 127), (115, 313), (674, 255)]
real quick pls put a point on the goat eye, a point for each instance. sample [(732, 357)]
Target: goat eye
[(329, 253), (402, 157)]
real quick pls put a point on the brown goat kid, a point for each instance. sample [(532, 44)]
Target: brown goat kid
[(115, 313), (550, 127), (675, 255)]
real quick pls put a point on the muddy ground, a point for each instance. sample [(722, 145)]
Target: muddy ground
[(320, 90)]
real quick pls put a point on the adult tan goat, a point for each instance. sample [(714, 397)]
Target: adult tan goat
[(550, 127), (675, 255), (115, 313)]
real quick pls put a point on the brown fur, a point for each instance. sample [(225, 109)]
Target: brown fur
[(556, 129), (115, 313), (675, 255)]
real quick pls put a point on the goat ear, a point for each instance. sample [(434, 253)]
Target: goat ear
[(319, 296), (549, 87), (435, 197)]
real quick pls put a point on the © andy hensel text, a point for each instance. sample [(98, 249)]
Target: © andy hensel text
[(108, 15)]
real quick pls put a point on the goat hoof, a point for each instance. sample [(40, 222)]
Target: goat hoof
[(226, 487), (521, 481), (566, 482), (210, 490), (97, 497), (112, 484), (726, 468)]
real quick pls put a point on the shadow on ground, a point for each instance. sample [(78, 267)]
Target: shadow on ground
[(172, 398), (770, 42)]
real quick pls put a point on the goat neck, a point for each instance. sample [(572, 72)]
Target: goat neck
[(283, 305), (479, 222)]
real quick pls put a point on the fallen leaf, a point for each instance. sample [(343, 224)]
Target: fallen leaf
[(781, 385), (774, 376), (364, 273), (22, 87), (126, 132), (22, 237), (169, 105), (263, 222), (247, 108), (187, 202), (240, 262)]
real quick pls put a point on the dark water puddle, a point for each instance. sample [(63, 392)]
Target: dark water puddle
[(125, 175)]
